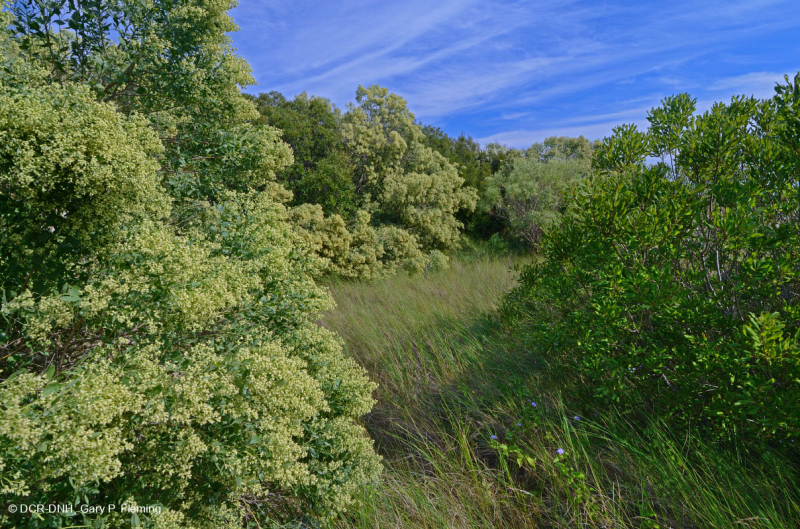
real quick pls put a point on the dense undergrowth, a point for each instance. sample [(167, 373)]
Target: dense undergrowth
[(451, 377)]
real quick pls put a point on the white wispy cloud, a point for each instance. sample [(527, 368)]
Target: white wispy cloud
[(757, 84), (522, 139), (526, 66)]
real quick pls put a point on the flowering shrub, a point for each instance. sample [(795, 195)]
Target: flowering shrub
[(158, 336), (679, 282), (367, 252)]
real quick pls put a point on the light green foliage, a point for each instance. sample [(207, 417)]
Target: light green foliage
[(321, 179), (74, 171), (563, 148), (679, 283), (182, 358), (401, 180), (172, 62), (529, 191), (366, 252), (327, 236), (501, 156), (158, 336), (473, 164), (437, 262)]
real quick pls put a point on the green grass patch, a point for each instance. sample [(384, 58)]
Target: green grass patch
[(451, 378)]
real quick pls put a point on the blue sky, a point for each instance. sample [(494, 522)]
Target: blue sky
[(517, 72)]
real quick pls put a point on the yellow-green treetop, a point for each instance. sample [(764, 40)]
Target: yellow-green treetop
[(402, 181)]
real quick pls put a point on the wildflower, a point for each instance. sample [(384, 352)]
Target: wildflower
[(533, 404), (494, 437), (520, 424), (577, 418), (560, 451)]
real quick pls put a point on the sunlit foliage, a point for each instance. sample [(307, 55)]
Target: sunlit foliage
[(529, 192), (370, 195), (679, 282), (158, 338)]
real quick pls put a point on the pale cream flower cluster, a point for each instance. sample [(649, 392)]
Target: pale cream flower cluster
[(178, 359)]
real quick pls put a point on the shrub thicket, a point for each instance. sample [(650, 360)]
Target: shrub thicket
[(528, 192), (475, 165), (158, 336), (401, 180), (677, 284), (370, 195)]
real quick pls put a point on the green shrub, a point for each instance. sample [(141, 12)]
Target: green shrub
[(369, 195), (322, 172), (152, 364), (530, 196), (158, 335), (678, 283), (475, 166)]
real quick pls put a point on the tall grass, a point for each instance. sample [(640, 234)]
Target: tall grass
[(450, 379)]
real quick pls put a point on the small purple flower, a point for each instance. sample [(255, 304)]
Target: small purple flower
[(577, 418), (520, 424), (560, 451), (533, 404), (494, 437)]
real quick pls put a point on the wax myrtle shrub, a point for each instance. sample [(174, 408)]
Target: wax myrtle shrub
[(674, 285), (158, 336)]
